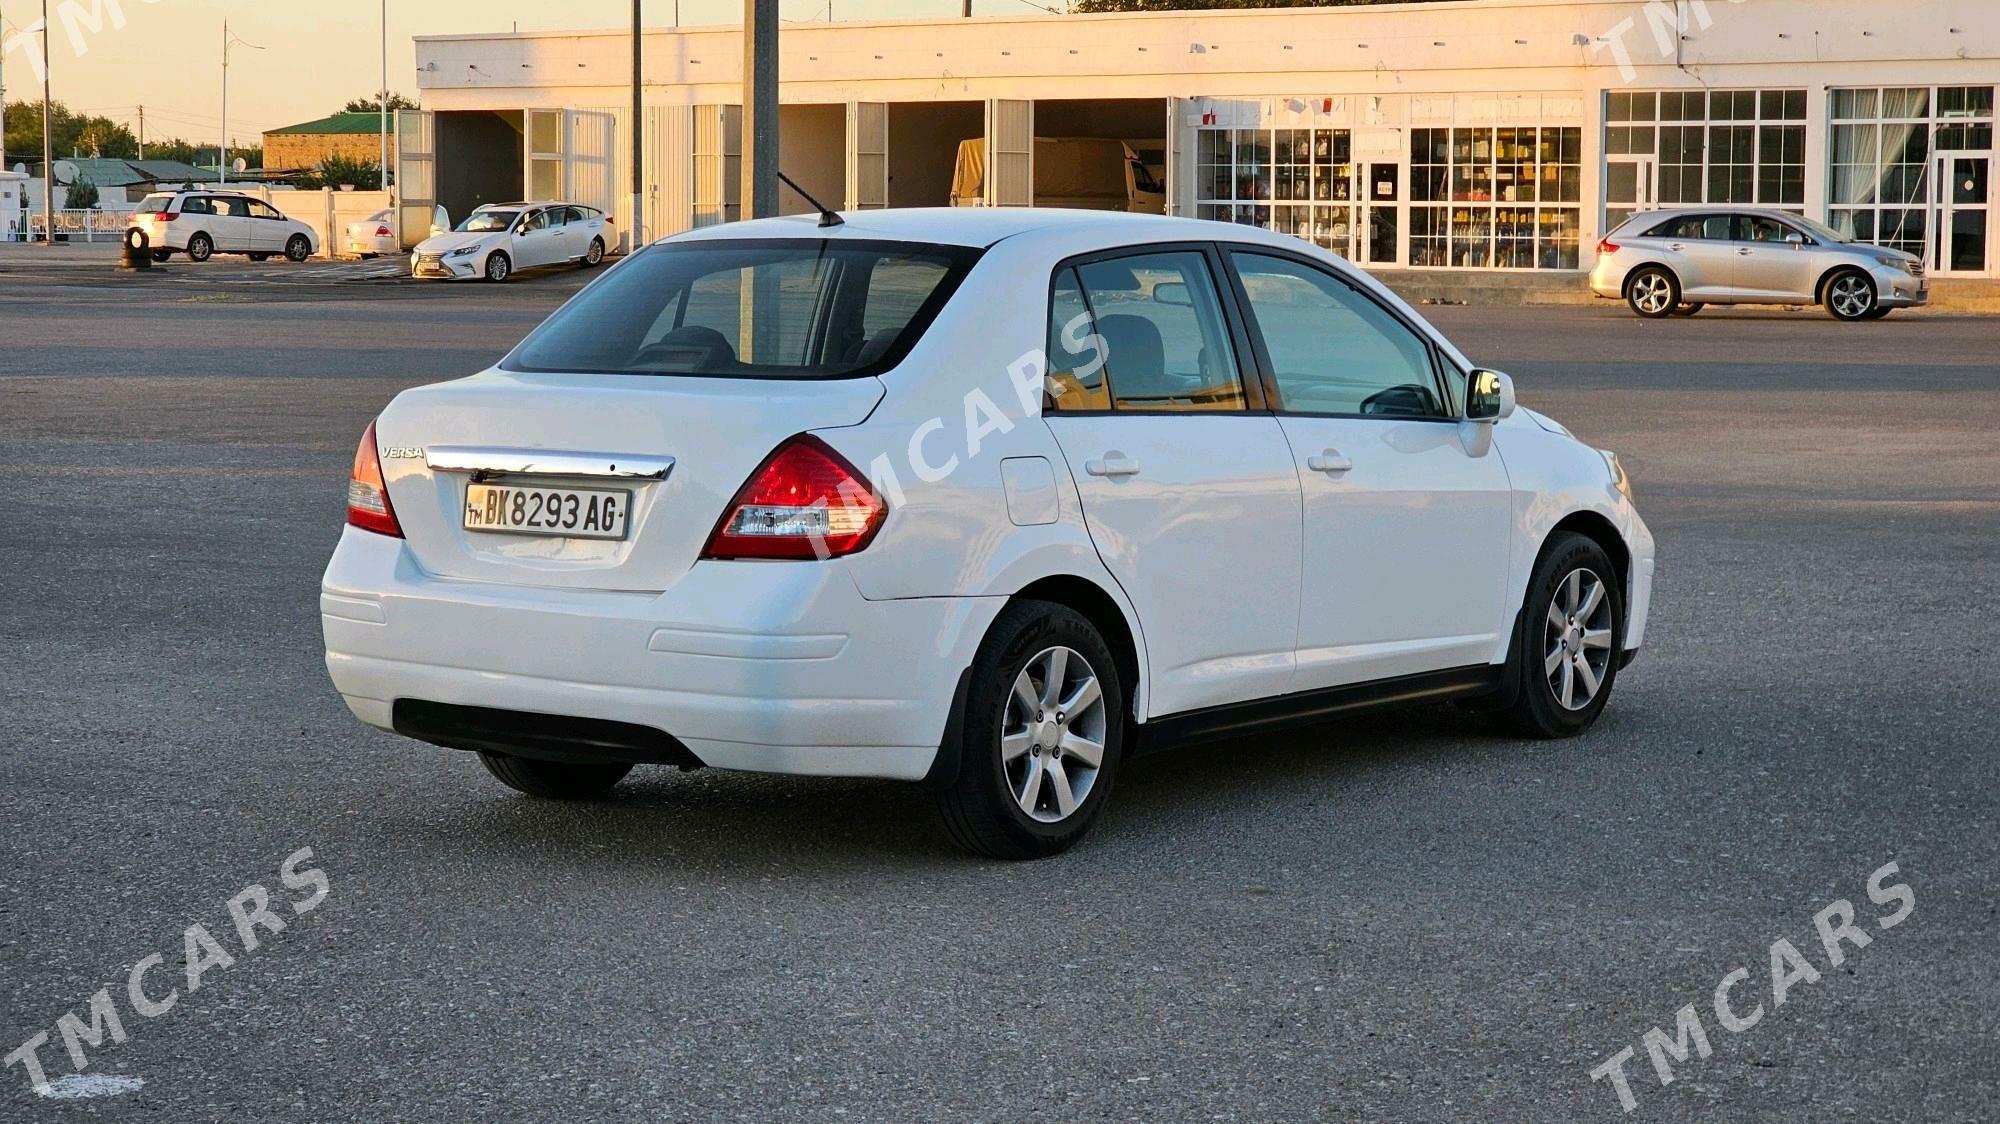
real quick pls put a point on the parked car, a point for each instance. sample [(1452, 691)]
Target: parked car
[(1675, 263), (201, 224), (499, 238), (1211, 481), (374, 236)]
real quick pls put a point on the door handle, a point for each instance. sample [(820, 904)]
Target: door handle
[(1745, 252), (1330, 462), (1678, 247), (1113, 464)]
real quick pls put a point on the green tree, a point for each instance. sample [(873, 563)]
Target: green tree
[(71, 133), (374, 104), (82, 194), (335, 170)]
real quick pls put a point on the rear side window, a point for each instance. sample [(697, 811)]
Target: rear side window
[(751, 309), (1694, 228), (1165, 343), (1075, 350)]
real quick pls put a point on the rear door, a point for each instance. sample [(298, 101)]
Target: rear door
[(1702, 251), (1407, 512), (231, 226), (1190, 496)]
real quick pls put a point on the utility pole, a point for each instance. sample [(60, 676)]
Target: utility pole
[(382, 169), (222, 154), (638, 135), (48, 146), (142, 133), (760, 109)]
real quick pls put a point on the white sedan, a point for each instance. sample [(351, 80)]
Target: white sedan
[(987, 500), (498, 239)]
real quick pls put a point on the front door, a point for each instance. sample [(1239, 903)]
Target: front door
[(536, 245), (1407, 508), (1768, 264), (1961, 238), (1191, 499), (1629, 187), (1381, 228)]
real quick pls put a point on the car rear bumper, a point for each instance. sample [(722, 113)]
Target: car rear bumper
[(773, 667)]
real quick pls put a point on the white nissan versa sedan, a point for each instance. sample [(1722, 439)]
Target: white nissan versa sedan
[(985, 499)]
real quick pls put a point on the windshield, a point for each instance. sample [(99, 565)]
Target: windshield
[(751, 309), (483, 221), (1820, 230)]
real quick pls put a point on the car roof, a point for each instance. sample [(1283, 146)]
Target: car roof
[(967, 226), (1714, 209), (534, 203)]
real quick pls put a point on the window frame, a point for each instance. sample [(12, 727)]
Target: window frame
[(1254, 401), (1273, 394)]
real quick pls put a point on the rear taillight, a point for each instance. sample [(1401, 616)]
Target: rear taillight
[(804, 501), (167, 216), (1607, 247), (383, 232), (367, 496)]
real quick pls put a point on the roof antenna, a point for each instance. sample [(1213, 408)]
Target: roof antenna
[(826, 217)]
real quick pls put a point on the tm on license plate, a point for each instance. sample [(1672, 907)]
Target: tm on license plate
[(576, 513)]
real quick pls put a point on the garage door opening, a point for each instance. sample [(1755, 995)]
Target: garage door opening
[(478, 160), (1079, 161), (923, 148), (812, 150)]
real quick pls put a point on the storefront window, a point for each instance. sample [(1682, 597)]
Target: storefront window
[(1713, 146), (1474, 192), (1295, 181), (1881, 159)]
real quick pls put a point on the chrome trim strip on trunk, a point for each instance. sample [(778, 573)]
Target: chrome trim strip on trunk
[(483, 463)]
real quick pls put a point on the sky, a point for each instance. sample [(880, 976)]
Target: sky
[(316, 54)]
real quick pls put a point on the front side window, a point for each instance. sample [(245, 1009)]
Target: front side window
[(263, 210), (1165, 344), (1757, 229), (538, 221), (234, 208), (1333, 350), (751, 309)]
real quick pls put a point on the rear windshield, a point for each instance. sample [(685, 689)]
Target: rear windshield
[(777, 309), (156, 203)]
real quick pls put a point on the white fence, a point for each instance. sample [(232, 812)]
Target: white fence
[(327, 211)]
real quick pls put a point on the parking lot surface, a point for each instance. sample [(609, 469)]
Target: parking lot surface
[(1397, 918)]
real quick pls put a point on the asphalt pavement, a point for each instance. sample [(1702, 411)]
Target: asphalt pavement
[(1396, 918)]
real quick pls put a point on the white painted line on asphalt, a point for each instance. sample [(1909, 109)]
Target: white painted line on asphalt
[(79, 1085)]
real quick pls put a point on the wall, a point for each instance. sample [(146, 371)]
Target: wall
[(299, 151)]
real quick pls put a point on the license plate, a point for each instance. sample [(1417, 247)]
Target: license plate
[(572, 513)]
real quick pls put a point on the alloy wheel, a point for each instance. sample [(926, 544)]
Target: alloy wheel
[(1052, 735), (1851, 296), (1653, 294), (1577, 640)]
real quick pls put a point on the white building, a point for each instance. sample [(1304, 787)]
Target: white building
[(1487, 134)]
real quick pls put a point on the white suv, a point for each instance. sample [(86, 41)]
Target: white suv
[(983, 499), (202, 224)]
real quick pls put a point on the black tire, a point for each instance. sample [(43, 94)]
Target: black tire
[(298, 248), (1878, 312), (1538, 709), (499, 267), (258, 257), (554, 780), (595, 254), (1688, 309), (1850, 296), (200, 247), (162, 255), (1653, 292), (981, 809)]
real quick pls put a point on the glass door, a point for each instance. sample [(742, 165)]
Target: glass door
[(1381, 232), (1630, 186), (1961, 227)]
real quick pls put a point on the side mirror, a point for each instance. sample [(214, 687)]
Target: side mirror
[(1796, 240), (1489, 396)]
